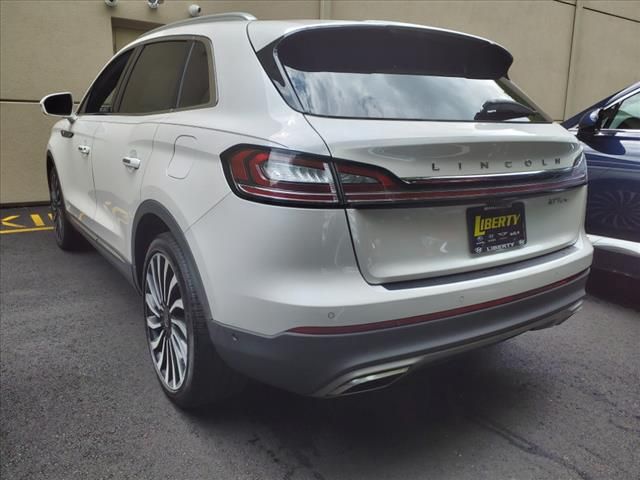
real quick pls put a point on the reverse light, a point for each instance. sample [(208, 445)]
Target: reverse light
[(279, 176)]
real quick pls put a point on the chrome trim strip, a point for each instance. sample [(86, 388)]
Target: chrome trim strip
[(607, 131), (490, 176), (621, 99)]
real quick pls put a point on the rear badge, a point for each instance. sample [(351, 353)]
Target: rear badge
[(496, 229)]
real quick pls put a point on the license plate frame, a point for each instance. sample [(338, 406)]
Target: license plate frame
[(493, 229)]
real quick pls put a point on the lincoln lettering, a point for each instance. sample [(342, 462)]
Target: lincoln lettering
[(486, 165), (481, 225)]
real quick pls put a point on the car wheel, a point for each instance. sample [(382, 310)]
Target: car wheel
[(67, 237), (186, 363)]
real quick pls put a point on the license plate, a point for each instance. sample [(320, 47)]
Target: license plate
[(493, 229)]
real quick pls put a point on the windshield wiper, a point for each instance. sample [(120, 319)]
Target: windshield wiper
[(503, 110)]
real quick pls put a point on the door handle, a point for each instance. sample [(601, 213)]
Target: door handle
[(131, 162), (84, 150)]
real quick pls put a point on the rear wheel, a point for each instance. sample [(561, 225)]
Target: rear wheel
[(67, 237), (185, 361)]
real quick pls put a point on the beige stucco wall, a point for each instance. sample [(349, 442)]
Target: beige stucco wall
[(568, 53), (607, 57)]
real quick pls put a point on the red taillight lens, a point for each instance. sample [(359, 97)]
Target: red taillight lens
[(280, 176)]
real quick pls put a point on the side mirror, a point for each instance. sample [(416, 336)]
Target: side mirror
[(57, 104), (589, 122)]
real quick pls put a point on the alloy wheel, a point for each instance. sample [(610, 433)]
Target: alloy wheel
[(165, 322)]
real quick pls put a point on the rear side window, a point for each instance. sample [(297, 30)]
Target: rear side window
[(101, 96), (383, 72), (196, 83), (155, 79)]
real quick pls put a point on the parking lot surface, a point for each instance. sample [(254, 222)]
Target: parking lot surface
[(78, 398)]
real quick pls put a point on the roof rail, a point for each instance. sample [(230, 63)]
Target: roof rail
[(218, 17)]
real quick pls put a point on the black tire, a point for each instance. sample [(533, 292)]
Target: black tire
[(206, 378), (67, 237)]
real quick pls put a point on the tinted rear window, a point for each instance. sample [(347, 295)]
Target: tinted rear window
[(195, 86), (395, 73), (155, 78)]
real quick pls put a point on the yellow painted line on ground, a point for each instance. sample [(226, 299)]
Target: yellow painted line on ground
[(37, 220), (6, 222), (31, 220), (25, 230)]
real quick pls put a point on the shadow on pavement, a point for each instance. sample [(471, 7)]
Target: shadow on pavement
[(614, 288), (440, 410)]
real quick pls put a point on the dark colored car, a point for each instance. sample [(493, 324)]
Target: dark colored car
[(610, 132)]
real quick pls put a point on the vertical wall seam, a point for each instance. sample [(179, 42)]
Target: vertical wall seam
[(568, 94)]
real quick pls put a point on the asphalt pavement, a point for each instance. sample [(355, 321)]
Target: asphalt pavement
[(78, 398)]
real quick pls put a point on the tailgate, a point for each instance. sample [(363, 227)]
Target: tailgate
[(404, 242)]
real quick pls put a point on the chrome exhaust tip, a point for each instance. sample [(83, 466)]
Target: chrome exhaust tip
[(366, 383)]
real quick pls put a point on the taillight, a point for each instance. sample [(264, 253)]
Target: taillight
[(280, 176)]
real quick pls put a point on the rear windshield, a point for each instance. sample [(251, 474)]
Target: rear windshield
[(381, 72)]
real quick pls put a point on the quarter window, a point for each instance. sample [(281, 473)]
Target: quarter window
[(101, 97), (196, 84), (154, 82)]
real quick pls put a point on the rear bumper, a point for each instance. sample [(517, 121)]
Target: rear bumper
[(334, 364)]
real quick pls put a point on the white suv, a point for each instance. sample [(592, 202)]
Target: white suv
[(320, 205)]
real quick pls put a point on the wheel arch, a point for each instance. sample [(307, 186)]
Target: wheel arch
[(150, 220)]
